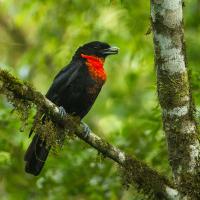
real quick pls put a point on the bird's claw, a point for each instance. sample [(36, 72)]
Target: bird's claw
[(62, 111), (86, 129)]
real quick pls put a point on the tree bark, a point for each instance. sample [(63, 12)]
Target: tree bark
[(175, 95)]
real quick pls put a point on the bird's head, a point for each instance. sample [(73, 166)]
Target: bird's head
[(96, 48), (93, 54)]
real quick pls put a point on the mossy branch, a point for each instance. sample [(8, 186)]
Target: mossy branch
[(136, 172)]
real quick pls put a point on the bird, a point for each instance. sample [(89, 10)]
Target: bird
[(74, 90)]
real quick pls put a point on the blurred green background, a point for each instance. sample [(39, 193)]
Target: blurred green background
[(38, 38)]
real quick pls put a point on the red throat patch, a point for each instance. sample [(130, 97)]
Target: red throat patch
[(95, 67)]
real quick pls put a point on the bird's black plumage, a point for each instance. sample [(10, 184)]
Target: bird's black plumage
[(70, 89)]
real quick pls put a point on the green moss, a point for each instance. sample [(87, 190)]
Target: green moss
[(190, 185), (172, 89), (20, 106), (49, 132), (53, 133), (146, 180)]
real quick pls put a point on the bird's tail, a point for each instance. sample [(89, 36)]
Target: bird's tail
[(36, 155)]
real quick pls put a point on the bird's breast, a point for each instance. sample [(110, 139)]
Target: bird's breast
[(98, 74), (95, 68)]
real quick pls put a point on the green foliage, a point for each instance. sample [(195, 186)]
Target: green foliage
[(37, 39)]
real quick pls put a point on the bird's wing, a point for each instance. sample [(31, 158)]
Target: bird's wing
[(62, 79)]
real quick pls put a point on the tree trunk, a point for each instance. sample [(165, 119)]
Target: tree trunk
[(175, 95)]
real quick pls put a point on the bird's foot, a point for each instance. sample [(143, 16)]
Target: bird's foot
[(86, 129), (62, 111)]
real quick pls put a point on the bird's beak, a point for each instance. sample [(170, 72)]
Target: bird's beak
[(110, 51)]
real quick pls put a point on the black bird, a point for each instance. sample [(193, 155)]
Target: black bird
[(74, 89)]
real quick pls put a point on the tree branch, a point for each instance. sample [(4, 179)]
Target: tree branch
[(136, 172)]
